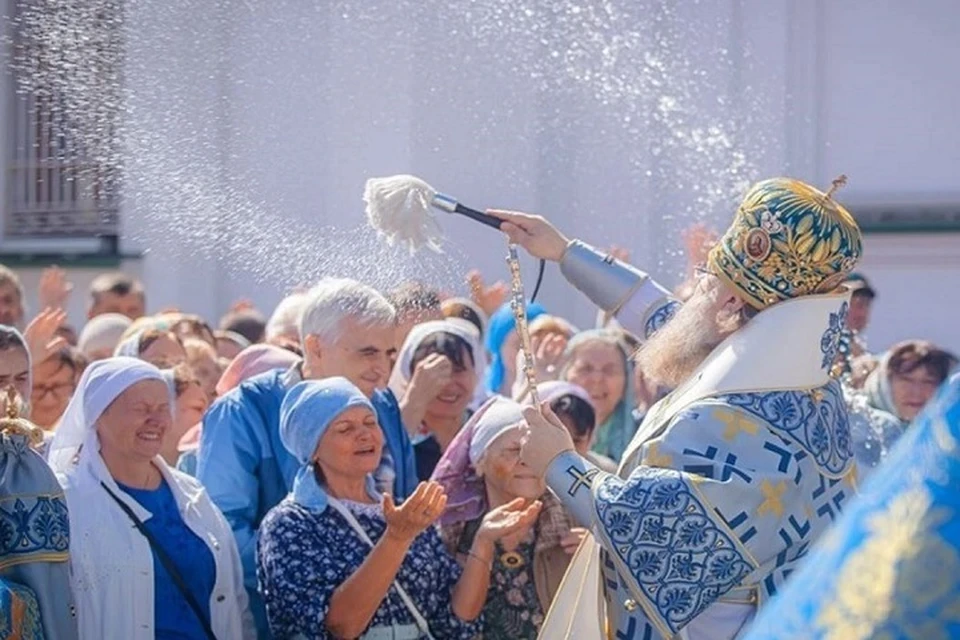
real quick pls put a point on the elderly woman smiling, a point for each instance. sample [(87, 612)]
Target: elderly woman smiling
[(480, 471), (598, 362), (150, 555), (335, 561)]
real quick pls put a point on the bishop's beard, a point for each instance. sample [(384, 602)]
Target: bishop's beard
[(674, 352)]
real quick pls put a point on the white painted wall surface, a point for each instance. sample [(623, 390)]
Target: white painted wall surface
[(917, 278), (282, 110)]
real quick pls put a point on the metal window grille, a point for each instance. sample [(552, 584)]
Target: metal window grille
[(62, 177)]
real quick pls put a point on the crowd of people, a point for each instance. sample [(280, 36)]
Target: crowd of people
[(348, 466)]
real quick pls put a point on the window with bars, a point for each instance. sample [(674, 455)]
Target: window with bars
[(63, 171)]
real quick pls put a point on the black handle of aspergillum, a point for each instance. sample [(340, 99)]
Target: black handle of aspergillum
[(479, 216), (493, 221)]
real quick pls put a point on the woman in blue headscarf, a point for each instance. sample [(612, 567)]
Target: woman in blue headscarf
[(597, 360), (335, 560), (503, 344)]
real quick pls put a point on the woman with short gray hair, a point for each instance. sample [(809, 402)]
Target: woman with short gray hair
[(347, 329)]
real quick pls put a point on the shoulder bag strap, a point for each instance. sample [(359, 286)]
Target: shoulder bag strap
[(407, 601), (167, 564)]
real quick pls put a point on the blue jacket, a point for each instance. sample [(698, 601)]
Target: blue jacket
[(247, 471)]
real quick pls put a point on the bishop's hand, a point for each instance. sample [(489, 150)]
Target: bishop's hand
[(534, 233), (545, 438)]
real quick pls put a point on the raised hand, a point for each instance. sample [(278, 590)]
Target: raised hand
[(619, 253), (488, 298), (431, 375), (41, 334), (548, 354), (419, 511), (55, 288), (698, 239), (534, 233), (508, 518)]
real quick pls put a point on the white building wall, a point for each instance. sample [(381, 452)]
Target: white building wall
[(270, 116), (917, 278)]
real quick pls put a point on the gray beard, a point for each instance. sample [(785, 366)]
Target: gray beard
[(672, 354)]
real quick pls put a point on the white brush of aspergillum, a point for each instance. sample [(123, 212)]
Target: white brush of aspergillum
[(401, 208)]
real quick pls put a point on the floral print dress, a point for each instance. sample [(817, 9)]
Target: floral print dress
[(304, 555), (512, 611)]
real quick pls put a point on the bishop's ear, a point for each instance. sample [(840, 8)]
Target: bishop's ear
[(733, 304), (732, 311)]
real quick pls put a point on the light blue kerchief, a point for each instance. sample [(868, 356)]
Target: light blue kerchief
[(307, 410)]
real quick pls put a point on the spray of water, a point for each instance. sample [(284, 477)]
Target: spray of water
[(648, 78), (656, 73), (629, 67), (872, 432)]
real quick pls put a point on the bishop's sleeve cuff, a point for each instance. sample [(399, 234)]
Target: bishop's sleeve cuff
[(571, 478), (639, 304)]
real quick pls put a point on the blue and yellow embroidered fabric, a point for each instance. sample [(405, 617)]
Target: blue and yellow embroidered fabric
[(723, 504), (787, 239), (34, 539), (34, 526), (891, 568), (667, 539), (817, 421), (19, 613)]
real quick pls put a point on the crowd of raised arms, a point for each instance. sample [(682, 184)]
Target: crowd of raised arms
[(348, 465)]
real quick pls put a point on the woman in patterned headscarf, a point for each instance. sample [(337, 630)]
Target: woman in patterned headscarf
[(480, 471)]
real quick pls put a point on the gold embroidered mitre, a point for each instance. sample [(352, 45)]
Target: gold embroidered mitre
[(787, 239)]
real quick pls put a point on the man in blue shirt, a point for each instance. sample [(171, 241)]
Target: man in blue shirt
[(346, 329)]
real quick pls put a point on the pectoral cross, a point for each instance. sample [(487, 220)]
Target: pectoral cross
[(580, 479)]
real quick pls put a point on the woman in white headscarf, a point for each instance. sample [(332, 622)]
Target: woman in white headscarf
[(436, 376), (151, 556)]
